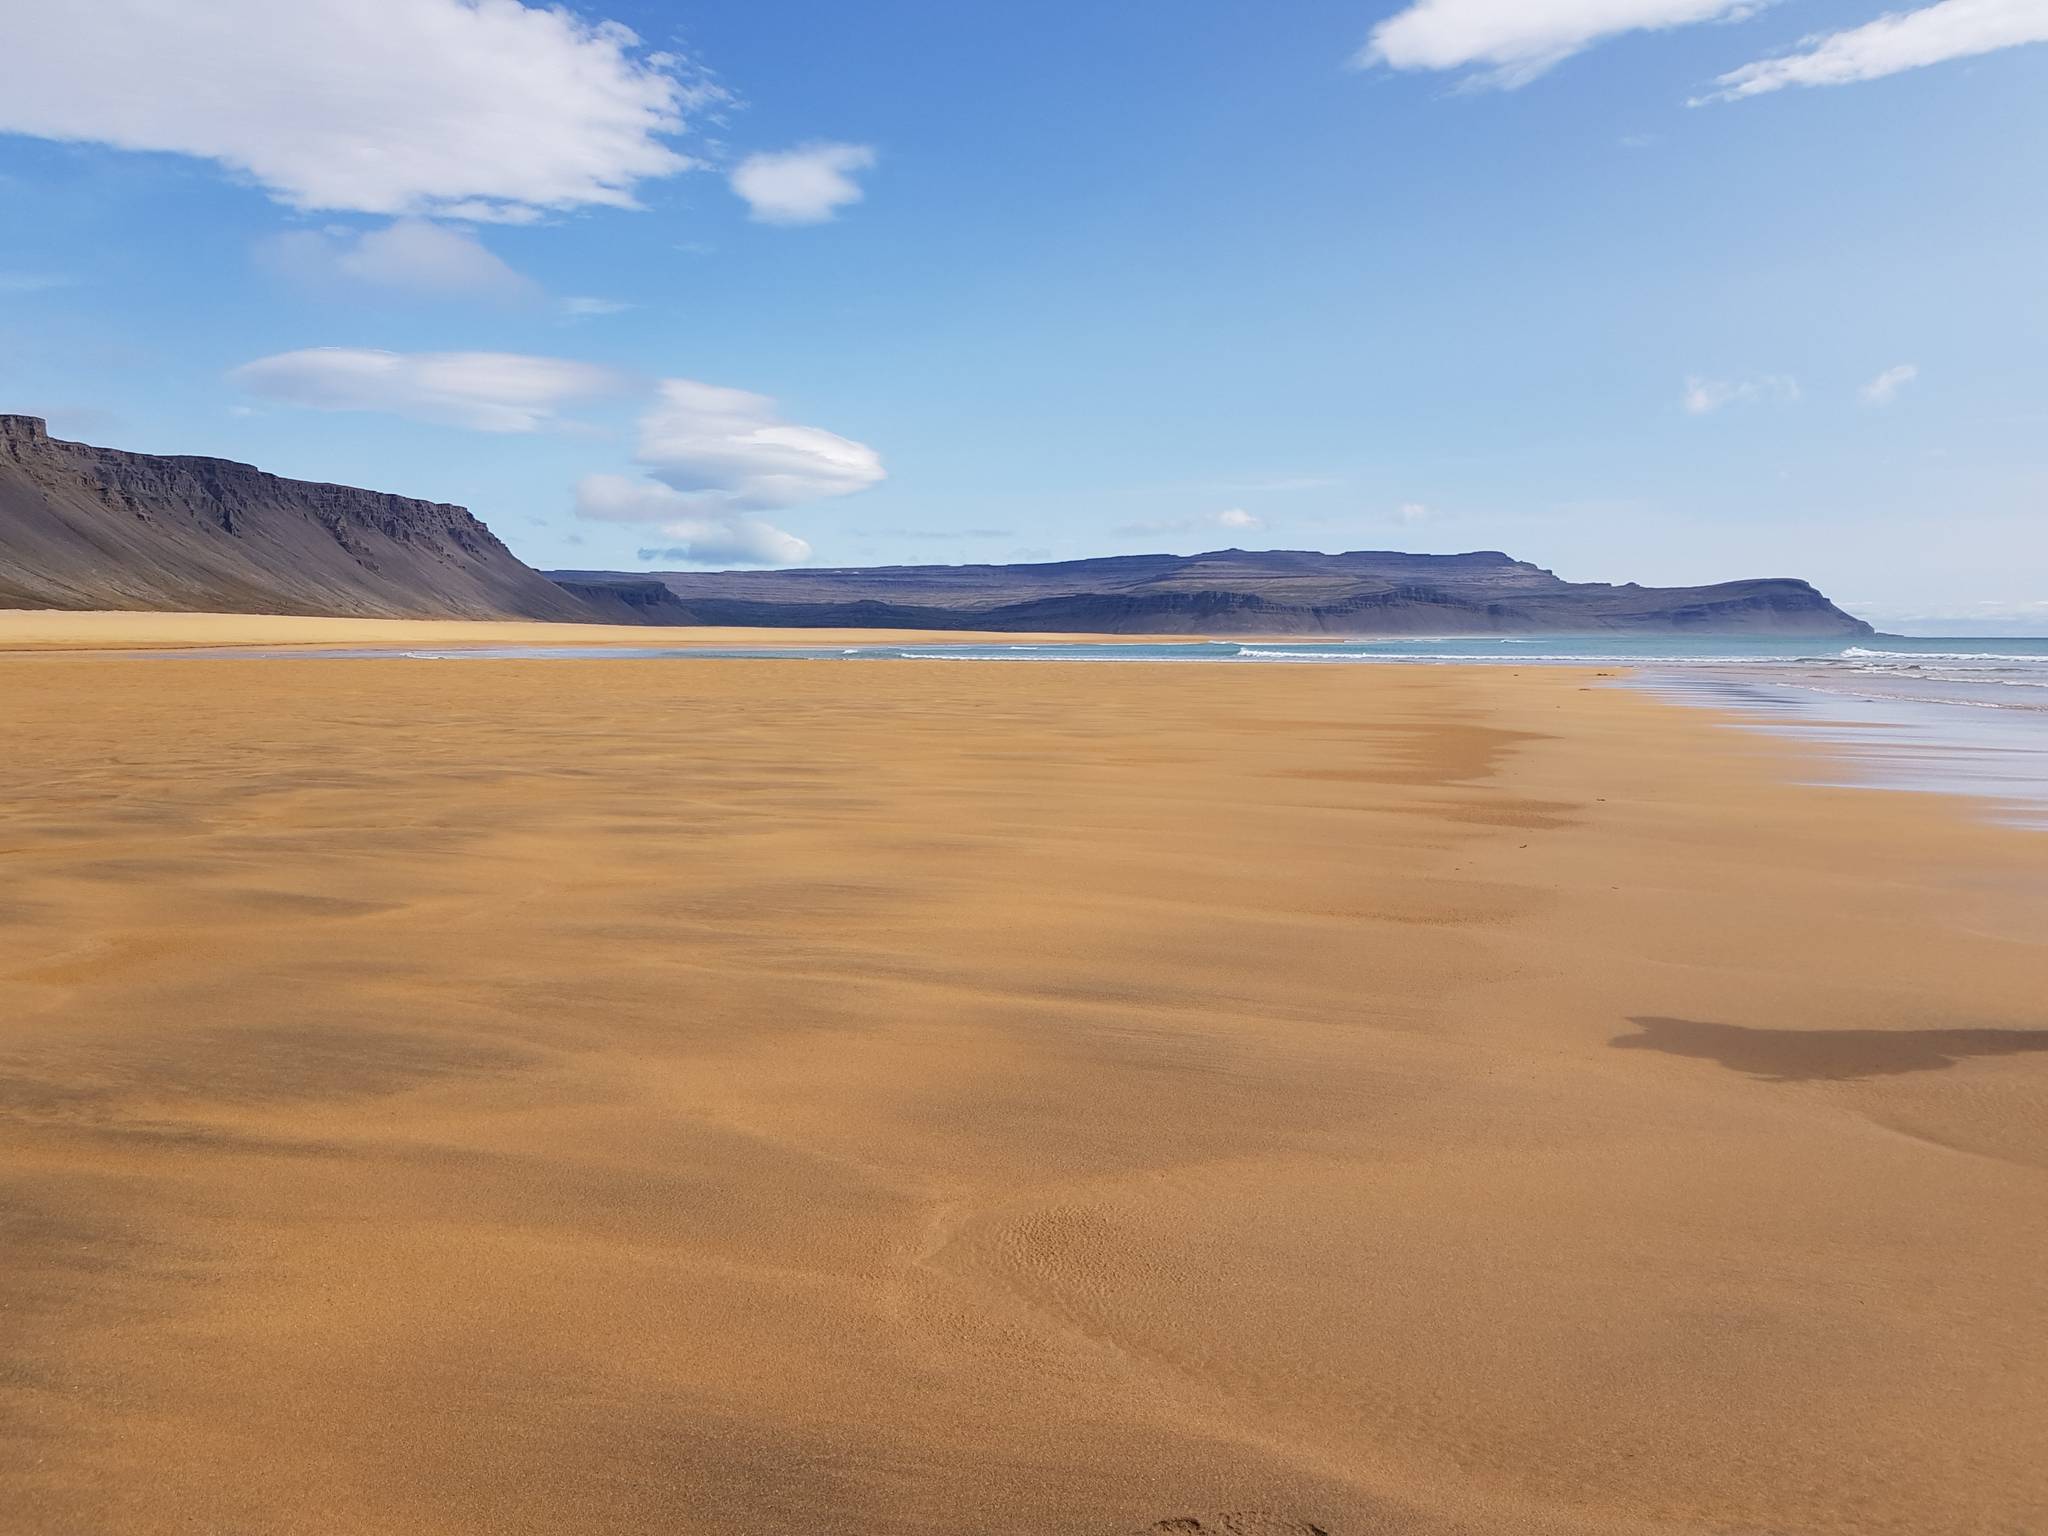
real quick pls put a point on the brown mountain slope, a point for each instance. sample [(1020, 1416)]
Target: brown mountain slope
[(85, 527)]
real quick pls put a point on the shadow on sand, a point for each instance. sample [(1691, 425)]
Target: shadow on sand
[(1825, 1055)]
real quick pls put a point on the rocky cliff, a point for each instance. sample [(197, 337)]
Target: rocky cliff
[(85, 527)]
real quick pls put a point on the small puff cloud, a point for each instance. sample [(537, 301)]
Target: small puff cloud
[(480, 109), (1953, 29), (1884, 389), (485, 391), (1511, 42), (1705, 396), (807, 185)]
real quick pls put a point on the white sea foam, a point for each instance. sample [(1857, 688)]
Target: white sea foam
[(1861, 653), (1248, 654)]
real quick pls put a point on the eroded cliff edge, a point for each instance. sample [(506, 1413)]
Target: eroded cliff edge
[(87, 527)]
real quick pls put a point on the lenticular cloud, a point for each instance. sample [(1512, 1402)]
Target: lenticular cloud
[(729, 449)]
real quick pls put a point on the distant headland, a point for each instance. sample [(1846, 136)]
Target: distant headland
[(83, 527)]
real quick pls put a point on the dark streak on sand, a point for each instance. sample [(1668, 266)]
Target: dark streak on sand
[(1825, 1055)]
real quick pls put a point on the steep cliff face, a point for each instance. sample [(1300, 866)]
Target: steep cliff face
[(1233, 592), (85, 527)]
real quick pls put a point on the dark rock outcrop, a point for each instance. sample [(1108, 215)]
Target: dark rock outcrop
[(627, 600), (85, 527), (1228, 592)]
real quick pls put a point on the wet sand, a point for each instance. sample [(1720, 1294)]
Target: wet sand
[(1041, 1100)]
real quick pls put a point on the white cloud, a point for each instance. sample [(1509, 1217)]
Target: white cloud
[(716, 457), (716, 539), (485, 391), (583, 307), (31, 282), (807, 185), (1884, 389), (409, 255), (472, 108), (1953, 29), (730, 451), (1228, 518), (626, 499), (1511, 42), (1412, 512), (730, 541), (1705, 396)]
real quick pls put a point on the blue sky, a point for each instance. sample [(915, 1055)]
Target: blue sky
[(1732, 291)]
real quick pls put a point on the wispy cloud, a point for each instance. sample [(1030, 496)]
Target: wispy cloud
[(1884, 389), (412, 256), (732, 541), (32, 282), (697, 539), (484, 391), (583, 307), (714, 457), (1895, 42), (807, 185), (1230, 518), (474, 108), (1703, 397), (1510, 42)]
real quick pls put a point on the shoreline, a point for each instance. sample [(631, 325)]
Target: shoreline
[(1996, 759), (1876, 740)]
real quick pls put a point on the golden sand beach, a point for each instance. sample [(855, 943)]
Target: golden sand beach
[(615, 1096)]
